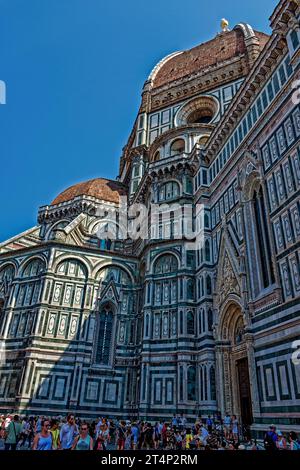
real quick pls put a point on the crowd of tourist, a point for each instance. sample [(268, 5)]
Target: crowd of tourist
[(72, 433)]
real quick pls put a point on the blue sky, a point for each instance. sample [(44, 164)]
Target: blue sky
[(74, 70)]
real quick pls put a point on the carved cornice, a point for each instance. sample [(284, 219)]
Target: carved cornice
[(285, 10), (204, 81), (81, 204), (251, 86)]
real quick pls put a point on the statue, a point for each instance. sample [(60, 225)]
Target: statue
[(224, 25)]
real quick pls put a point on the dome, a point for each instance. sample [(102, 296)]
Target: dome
[(220, 49), (100, 188)]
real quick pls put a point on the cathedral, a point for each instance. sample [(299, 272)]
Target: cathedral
[(102, 323)]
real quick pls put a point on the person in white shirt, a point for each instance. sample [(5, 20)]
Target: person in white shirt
[(7, 421)]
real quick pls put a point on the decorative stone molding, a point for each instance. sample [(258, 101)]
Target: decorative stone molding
[(195, 108)]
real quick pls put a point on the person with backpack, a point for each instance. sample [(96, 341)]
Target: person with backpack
[(270, 439), (13, 432), (43, 440), (294, 443), (148, 440)]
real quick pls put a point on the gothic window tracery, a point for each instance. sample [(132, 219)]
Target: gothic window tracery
[(210, 320), (212, 379), (104, 336), (207, 251), (169, 191), (263, 240), (116, 275), (30, 283), (190, 322), (147, 326), (191, 383), (191, 289), (181, 322), (208, 285), (166, 264), (7, 274), (69, 288)]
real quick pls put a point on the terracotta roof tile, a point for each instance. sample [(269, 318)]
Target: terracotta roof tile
[(223, 47), (100, 188)]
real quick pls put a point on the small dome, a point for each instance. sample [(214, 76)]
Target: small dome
[(100, 188)]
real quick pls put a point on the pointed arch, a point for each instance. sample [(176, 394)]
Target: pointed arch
[(228, 282), (104, 342), (190, 323), (191, 383)]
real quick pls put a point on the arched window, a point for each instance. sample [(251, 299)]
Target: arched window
[(210, 320), (181, 322), (205, 382), (104, 337), (190, 289), (207, 251), (136, 175), (208, 285), (294, 39), (189, 185), (30, 284), (201, 384), (113, 273), (7, 274), (190, 323), (191, 383), (200, 321), (177, 147), (73, 274), (263, 240), (72, 268), (202, 287), (147, 326), (1, 311), (169, 191), (34, 268), (166, 264), (206, 220), (212, 378), (107, 231)]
